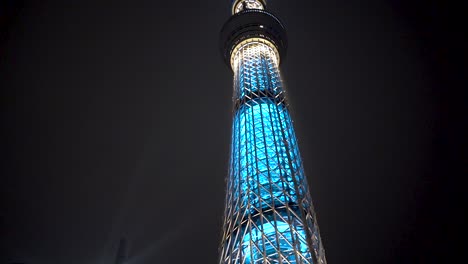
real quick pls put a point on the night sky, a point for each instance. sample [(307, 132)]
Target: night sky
[(116, 121)]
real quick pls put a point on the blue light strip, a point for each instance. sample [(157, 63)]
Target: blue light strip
[(260, 153)]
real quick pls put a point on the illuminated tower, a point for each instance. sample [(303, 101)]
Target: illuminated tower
[(269, 217)]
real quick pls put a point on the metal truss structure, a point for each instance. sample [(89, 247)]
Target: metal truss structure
[(269, 216)]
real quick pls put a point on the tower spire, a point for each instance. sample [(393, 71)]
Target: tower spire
[(269, 216)]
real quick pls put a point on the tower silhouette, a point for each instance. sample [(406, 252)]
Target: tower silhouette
[(269, 216), (121, 252)]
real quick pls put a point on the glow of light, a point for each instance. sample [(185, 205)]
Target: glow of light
[(250, 4), (265, 162), (254, 47), (265, 234)]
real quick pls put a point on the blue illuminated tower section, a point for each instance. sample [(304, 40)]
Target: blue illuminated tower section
[(269, 216)]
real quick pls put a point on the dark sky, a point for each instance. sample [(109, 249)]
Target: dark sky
[(116, 123)]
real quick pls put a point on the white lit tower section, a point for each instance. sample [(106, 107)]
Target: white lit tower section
[(269, 216)]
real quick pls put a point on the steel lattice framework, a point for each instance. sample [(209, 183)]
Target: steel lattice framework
[(269, 216)]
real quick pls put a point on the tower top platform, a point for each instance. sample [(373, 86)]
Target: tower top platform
[(252, 23), (240, 5)]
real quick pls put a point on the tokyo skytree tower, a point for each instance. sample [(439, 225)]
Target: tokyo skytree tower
[(269, 216)]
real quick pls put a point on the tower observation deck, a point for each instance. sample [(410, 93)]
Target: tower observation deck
[(269, 216)]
